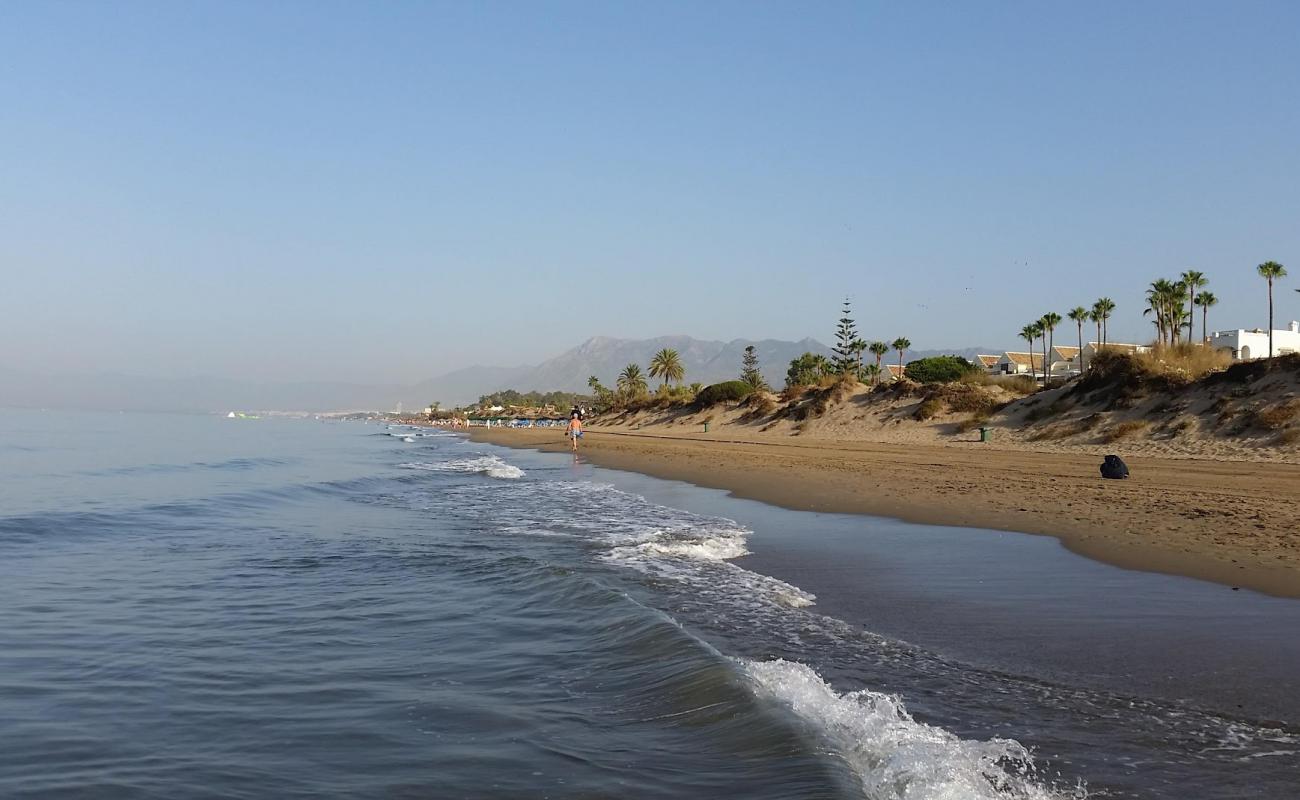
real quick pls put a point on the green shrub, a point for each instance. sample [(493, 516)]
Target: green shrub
[(939, 369), (723, 392), (807, 370)]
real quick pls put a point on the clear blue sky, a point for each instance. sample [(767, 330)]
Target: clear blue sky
[(383, 191)]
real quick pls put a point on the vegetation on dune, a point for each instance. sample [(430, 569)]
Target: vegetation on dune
[(939, 369), (808, 370), (727, 391), (1129, 374), (1125, 429)]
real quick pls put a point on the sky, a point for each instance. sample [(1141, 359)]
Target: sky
[(380, 192)]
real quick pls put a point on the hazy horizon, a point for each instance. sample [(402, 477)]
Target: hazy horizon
[(382, 194)]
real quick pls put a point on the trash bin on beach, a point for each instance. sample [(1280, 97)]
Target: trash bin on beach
[(984, 434), (706, 427)]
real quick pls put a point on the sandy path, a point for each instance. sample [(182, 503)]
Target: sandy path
[(1230, 522)]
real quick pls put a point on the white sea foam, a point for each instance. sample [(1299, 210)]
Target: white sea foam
[(491, 466), (894, 755), (660, 541), (707, 546)]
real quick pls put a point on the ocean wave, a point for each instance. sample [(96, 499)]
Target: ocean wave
[(894, 755), (491, 466), (232, 464)]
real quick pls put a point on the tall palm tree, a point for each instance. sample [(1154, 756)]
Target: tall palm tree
[(1271, 271), (630, 381), (593, 383), (1105, 305), (1205, 300), (1029, 333), (901, 344), (1095, 316), (1049, 321), (872, 371), (858, 347), (667, 364), (1079, 315), (879, 350), (1039, 333), (1193, 280)]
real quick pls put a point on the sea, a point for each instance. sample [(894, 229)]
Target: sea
[(200, 607)]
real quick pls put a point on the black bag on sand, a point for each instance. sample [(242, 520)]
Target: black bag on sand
[(1114, 467)]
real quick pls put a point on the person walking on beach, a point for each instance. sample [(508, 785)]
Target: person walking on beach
[(574, 431)]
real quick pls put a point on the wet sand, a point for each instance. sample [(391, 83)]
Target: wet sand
[(1233, 523)]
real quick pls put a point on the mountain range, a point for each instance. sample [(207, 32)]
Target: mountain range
[(705, 361)]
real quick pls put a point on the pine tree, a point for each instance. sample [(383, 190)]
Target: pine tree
[(845, 336), (749, 372)]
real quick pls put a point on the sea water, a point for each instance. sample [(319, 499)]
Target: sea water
[(201, 607)]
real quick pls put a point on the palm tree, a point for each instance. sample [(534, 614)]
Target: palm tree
[(667, 364), (858, 347), (630, 381), (1040, 332), (1049, 322), (1165, 301), (872, 371), (901, 344), (879, 350), (1029, 333), (1193, 280), (1105, 306), (593, 383), (823, 365), (1078, 315), (1205, 300), (1095, 316), (1271, 271)]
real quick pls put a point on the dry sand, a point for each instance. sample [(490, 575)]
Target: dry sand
[(1234, 523)]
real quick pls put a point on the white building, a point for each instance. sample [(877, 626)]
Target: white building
[(1246, 345), (1064, 361), (1013, 363)]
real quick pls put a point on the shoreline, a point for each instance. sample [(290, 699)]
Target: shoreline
[(1230, 523)]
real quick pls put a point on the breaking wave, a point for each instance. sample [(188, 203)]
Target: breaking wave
[(490, 466), (894, 755)]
